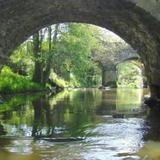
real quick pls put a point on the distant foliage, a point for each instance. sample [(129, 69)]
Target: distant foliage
[(130, 74), (22, 59)]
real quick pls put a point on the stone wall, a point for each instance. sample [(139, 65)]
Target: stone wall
[(151, 6), (115, 51)]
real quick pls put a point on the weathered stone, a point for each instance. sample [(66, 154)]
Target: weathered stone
[(115, 51), (139, 27), (109, 76)]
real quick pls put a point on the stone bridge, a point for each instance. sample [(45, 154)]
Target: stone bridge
[(135, 21), (116, 51)]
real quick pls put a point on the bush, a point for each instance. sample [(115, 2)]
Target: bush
[(13, 83), (59, 81)]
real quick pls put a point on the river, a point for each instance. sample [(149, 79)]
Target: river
[(79, 124)]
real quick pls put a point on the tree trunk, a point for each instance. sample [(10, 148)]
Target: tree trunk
[(49, 38), (37, 75), (49, 61)]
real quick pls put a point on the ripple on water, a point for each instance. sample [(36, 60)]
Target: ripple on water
[(119, 137), (77, 114)]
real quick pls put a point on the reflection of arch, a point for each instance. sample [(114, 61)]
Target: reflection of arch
[(152, 125), (20, 19)]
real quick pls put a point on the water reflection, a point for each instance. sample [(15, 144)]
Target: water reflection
[(152, 125), (81, 123), (151, 136)]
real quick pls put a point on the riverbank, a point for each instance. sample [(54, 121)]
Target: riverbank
[(13, 83)]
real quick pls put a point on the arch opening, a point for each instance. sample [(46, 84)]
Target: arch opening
[(107, 50)]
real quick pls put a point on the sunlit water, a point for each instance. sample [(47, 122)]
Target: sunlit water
[(84, 124)]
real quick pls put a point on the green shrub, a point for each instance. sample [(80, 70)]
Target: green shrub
[(59, 81), (13, 83)]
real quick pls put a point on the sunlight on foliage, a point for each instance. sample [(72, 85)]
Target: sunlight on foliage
[(11, 82), (130, 75)]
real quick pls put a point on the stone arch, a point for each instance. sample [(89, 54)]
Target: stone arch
[(129, 59), (21, 18)]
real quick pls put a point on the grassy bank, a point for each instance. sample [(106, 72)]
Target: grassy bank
[(14, 83)]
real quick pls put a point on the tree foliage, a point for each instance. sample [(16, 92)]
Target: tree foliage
[(130, 74), (64, 49)]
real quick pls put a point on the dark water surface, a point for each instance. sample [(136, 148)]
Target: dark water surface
[(84, 124)]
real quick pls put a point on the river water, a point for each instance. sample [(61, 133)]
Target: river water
[(82, 124)]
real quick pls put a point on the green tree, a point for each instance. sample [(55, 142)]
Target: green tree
[(62, 48), (73, 53)]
